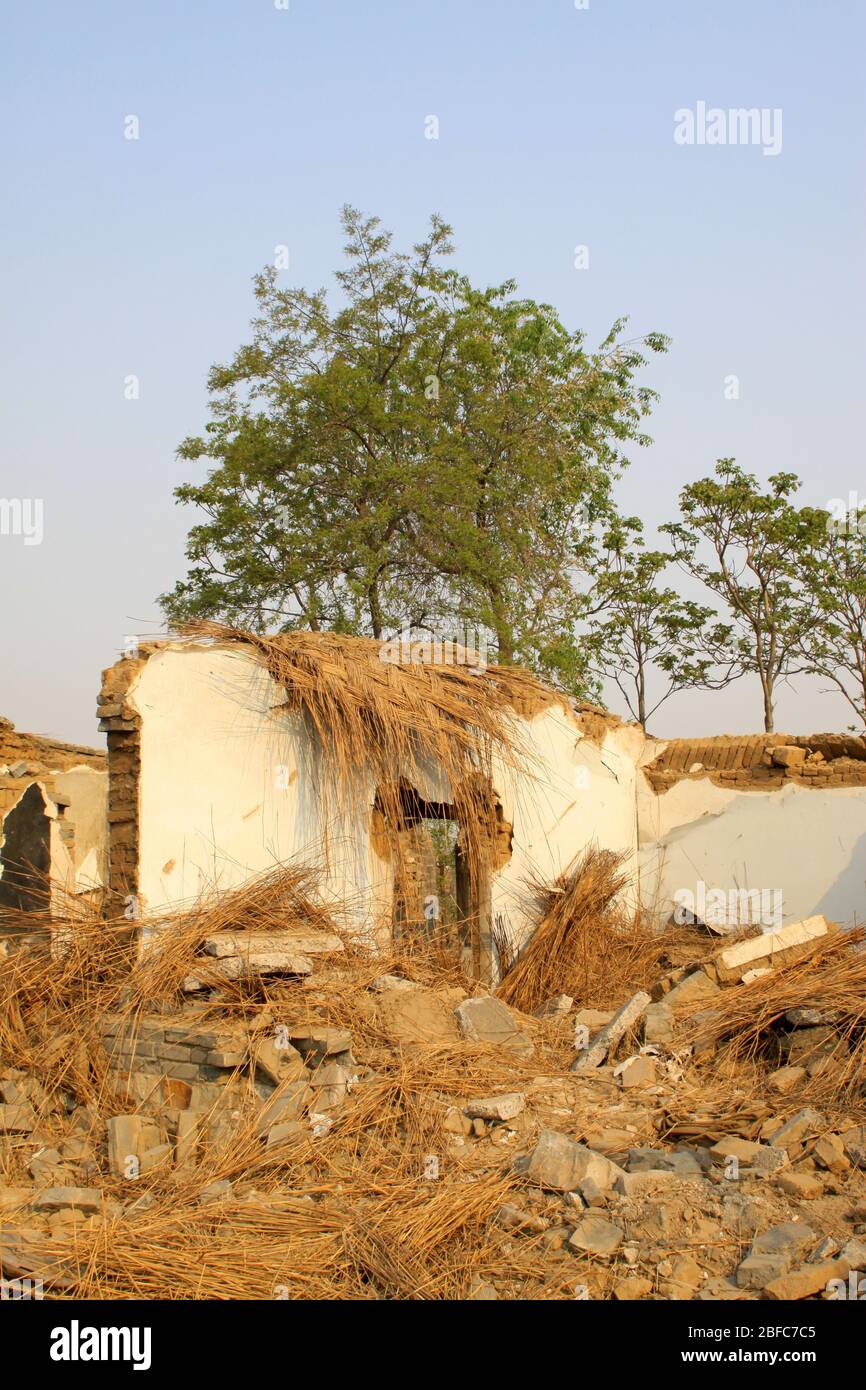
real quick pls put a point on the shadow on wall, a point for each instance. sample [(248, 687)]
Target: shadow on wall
[(850, 887), (809, 844), (25, 857)]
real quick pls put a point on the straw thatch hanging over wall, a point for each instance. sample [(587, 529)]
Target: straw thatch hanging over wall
[(383, 724)]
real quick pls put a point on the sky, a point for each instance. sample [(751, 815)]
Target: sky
[(133, 257)]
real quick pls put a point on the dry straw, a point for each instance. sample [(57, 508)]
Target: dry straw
[(587, 943)]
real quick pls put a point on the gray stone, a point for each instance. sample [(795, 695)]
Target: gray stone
[(383, 983), (650, 1180), (489, 1020), (596, 1235), (255, 944), (218, 1191), (658, 1024), (320, 1040), (655, 1160), (276, 1060), (283, 1133), (504, 1107), (557, 1007), (804, 1125), (854, 1253), (559, 1164), (513, 1219), (285, 1105), (128, 1137), (606, 1041), (773, 1253), (696, 986), (17, 1119), (769, 1159), (86, 1199)]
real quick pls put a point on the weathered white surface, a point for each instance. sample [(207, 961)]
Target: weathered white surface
[(811, 844), (228, 785), (583, 794), (229, 788), (763, 950)]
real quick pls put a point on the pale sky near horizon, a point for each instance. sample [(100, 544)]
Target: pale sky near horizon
[(556, 129)]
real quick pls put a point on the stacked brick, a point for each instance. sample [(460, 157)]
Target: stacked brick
[(183, 1053), (763, 761), (122, 725)]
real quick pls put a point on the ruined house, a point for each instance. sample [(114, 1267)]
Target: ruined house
[(53, 809), (433, 794)]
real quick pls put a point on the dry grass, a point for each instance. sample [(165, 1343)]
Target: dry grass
[(347, 1215), (55, 994), (586, 944), (831, 978)]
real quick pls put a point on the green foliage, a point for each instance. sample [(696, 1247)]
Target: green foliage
[(834, 645), (641, 626), (427, 450), (751, 548)]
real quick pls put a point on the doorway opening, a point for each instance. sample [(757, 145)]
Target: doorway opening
[(442, 893), (25, 857)]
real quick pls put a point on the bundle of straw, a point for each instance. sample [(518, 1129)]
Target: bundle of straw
[(586, 943)]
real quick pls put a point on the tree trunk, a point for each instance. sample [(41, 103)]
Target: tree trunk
[(641, 698), (376, 621), (769, 726)]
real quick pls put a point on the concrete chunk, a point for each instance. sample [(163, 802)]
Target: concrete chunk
[(228, 943), (806, 1123), (489, 1020), (803, 1283), (776, 948), (559, 1164), (86, 1199), (606, 1041), (596, 1235), (504, 1107), (695, 988)]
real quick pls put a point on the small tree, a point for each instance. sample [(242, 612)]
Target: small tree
[(642, 627), (758, 546), (834, 646)]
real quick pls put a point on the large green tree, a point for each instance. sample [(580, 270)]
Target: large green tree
[(425, 449)]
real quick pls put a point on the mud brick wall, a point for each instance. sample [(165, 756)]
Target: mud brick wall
[(162, 1048), (837, 760), (122, 726)]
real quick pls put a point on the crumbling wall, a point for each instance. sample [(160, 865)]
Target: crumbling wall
[(772, 814), (579, 790), (222, 784), (212, 782), (60, 791)]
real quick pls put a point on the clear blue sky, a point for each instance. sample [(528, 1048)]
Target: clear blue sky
[(556, 129)]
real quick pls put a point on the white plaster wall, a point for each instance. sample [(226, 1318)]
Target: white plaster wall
[(581, 793), (220, 795), (228, 790), (85, 790), (811, 844)]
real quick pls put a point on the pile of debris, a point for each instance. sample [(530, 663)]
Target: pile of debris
[(385, 1128)]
